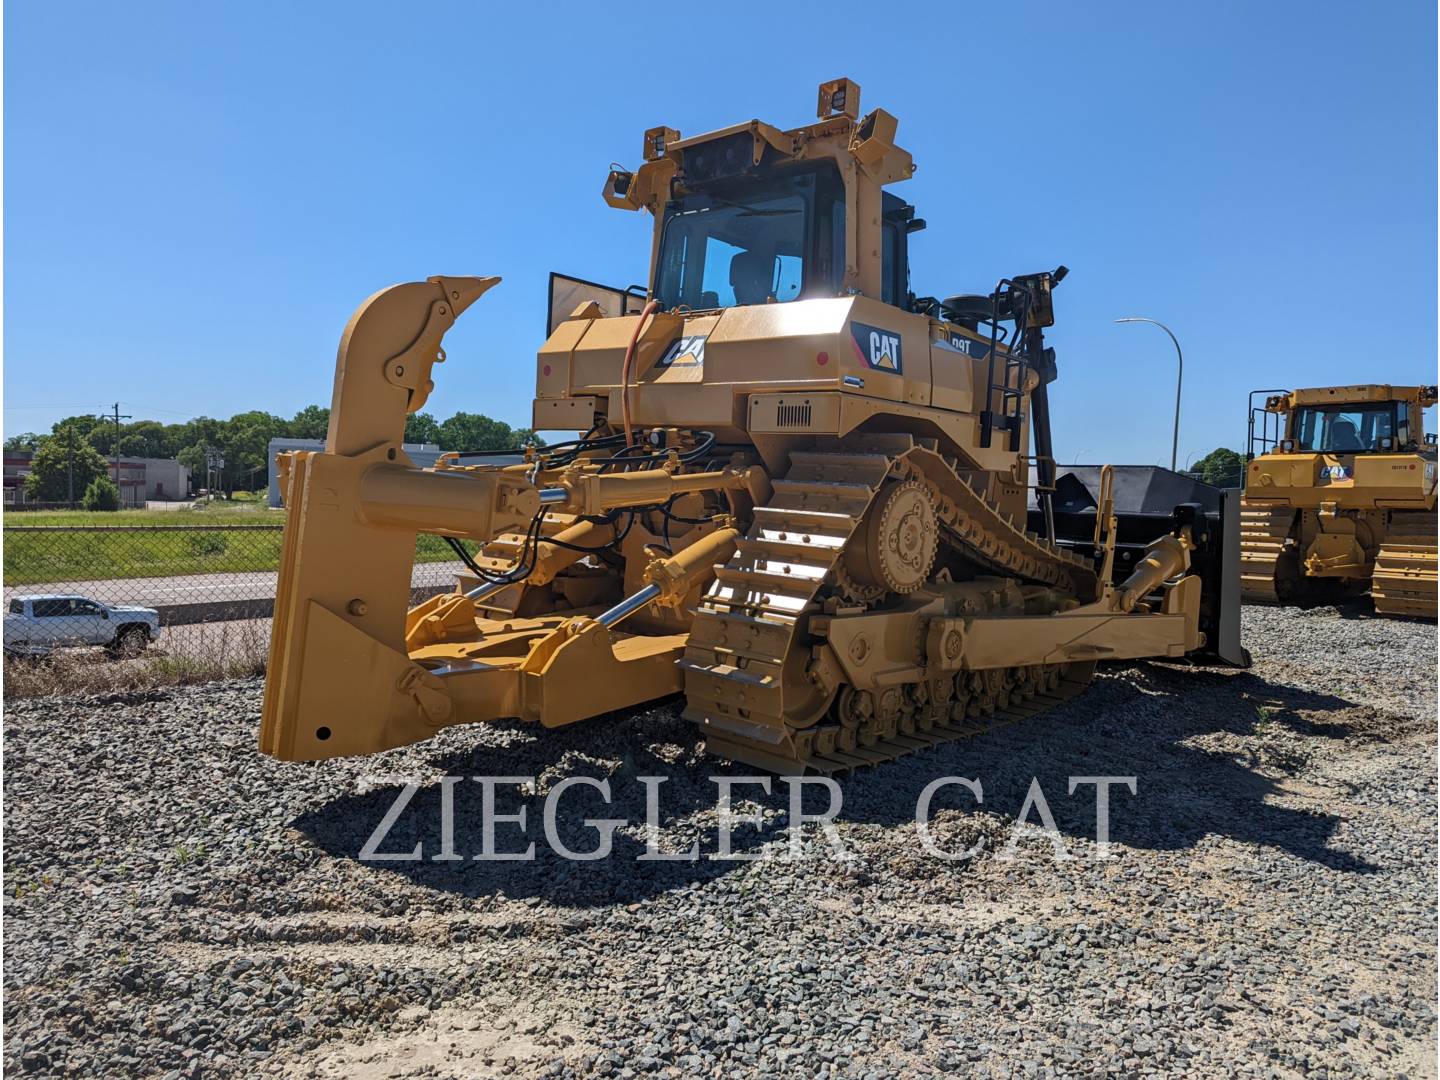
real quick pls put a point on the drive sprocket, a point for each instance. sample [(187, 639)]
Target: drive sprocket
[(897, 541)]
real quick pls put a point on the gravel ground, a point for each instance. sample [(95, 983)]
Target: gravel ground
[(178, 905)]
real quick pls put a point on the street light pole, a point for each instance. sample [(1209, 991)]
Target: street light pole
[(1179, 377)]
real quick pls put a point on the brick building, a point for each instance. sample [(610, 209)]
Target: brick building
[(141, 479)]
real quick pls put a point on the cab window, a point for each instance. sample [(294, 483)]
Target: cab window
[(1344, 429), (765, 239)]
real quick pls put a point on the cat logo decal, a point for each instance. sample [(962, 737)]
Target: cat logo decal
[(878, 349), (687, 352)]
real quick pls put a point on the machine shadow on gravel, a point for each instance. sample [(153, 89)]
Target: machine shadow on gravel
[(1138, 720)]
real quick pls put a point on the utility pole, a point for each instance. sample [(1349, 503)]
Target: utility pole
[(70, 464), (214, 467), (117, 418)]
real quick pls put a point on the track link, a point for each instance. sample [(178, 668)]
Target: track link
[(751, 624), (1263, 531), (1405, 578)]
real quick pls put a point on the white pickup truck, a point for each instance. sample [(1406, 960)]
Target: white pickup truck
[(36, 624)]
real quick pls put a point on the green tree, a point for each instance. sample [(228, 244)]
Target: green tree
[(91, 429), (1221, 467), (473, 431), (421, 427), (203, 430), (527, 437), (145, 439), (245, 442), (82, 425), (177, 438), (102, 437), (49, 469), (311, 422), (26, 440), (101, 494), (193, 458)]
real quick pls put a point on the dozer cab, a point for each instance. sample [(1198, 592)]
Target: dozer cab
[(1340, 498), (797, 493)]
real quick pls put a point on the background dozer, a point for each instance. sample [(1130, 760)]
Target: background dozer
[(1340, 498), (799, 499)]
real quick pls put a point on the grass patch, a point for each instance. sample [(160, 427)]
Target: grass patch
[(34, 558), (238, 512), (1264, 718)]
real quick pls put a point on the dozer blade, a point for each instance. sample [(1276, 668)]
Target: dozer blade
[(1146, 501)]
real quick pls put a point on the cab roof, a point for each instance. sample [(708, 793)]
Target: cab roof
[(1358, 394)]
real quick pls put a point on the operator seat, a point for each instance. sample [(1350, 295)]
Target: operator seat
[(751, 273), (1343, 436)]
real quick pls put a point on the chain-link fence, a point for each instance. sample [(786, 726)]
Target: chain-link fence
[(92, 607)]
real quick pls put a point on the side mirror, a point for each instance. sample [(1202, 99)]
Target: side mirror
[(104, 614)]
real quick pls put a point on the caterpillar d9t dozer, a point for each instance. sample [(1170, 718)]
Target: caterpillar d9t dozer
[(799, 499), (1340, 498)]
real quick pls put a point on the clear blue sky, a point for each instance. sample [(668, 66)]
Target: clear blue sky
[(197, 195)]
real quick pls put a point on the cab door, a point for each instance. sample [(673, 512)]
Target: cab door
[(49, 620), (89, 622)]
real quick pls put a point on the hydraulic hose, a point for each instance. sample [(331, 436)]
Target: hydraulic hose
[(625, 370)]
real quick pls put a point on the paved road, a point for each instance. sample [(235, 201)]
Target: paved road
[(185, 590)]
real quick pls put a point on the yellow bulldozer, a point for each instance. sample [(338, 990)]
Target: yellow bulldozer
[(799, 498), (1340, 498)]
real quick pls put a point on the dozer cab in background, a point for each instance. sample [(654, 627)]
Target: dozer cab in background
[(799, 498), (1340, 498)]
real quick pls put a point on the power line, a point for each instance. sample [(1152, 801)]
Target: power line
[(192, 414), (84, 404)]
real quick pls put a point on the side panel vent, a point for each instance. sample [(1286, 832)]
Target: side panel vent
[(792, 416)]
